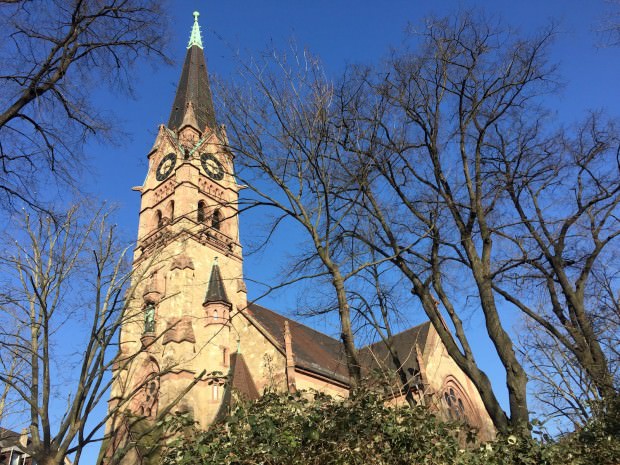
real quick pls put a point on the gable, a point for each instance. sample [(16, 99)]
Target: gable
[(377, 357)]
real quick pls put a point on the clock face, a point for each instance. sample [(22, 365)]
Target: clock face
[(166, 165), (212, 166)]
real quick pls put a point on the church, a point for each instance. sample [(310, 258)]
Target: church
[(194, 338)]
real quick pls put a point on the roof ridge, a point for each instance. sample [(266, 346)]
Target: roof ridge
[(408, 330), (290, 320)]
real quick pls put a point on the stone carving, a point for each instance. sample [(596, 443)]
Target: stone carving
[(179, 330), (181, 262)]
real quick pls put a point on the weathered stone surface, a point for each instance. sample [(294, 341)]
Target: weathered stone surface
[(179, 330)]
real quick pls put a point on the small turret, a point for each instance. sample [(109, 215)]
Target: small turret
[(216, 291), (216, 303)]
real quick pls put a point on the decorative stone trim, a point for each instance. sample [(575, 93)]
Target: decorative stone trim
[(179, 330), (147, 340), (181, 262)]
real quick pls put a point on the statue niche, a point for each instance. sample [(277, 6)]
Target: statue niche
[(149, 318)]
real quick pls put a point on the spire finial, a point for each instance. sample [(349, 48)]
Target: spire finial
[(194, 38)]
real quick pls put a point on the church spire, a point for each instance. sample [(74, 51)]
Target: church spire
[(194, 86)]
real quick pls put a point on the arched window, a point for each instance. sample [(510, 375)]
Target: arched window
[(146, 399), (225, 356), (454, 405), (159, 218), (201, 211), (171, 209), (216, 220), (215, 315)]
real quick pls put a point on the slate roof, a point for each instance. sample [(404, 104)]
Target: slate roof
[(193, 87), (324, 355), (216, 292)]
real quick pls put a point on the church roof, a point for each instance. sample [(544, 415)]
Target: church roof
[(216, 292), (194, 87), (377, 356), (313, 350), (324, 355)]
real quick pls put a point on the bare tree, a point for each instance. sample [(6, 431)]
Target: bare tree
[(8, 403), (68, 290), (562, 391), (378, 307), (565, 191), (567, 395), (53, 54), (280, 130), (461, 178), (440, 164), (417, 137), (608, 27)]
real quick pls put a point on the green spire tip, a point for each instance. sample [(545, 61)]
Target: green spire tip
[(194, 38)]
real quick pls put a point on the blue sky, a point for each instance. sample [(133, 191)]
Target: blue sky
[(340, 32)]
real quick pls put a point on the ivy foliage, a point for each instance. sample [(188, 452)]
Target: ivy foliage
[(317, 429)]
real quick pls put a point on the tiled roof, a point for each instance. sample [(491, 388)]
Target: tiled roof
[(324, 355), (313, 351)]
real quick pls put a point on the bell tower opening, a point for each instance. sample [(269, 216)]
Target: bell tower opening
[(216, 220)]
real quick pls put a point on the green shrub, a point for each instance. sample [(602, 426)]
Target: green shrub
[(317, 429)]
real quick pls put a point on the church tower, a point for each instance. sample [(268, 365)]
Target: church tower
[(187, 282)]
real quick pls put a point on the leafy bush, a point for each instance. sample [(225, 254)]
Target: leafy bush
[(312, 430)]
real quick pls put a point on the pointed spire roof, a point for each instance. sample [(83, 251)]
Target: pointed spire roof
[(216, 291), (195, 37), (194, 86)]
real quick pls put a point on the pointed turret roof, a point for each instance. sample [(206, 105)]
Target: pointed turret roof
[(216, 291), (194, 86)]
